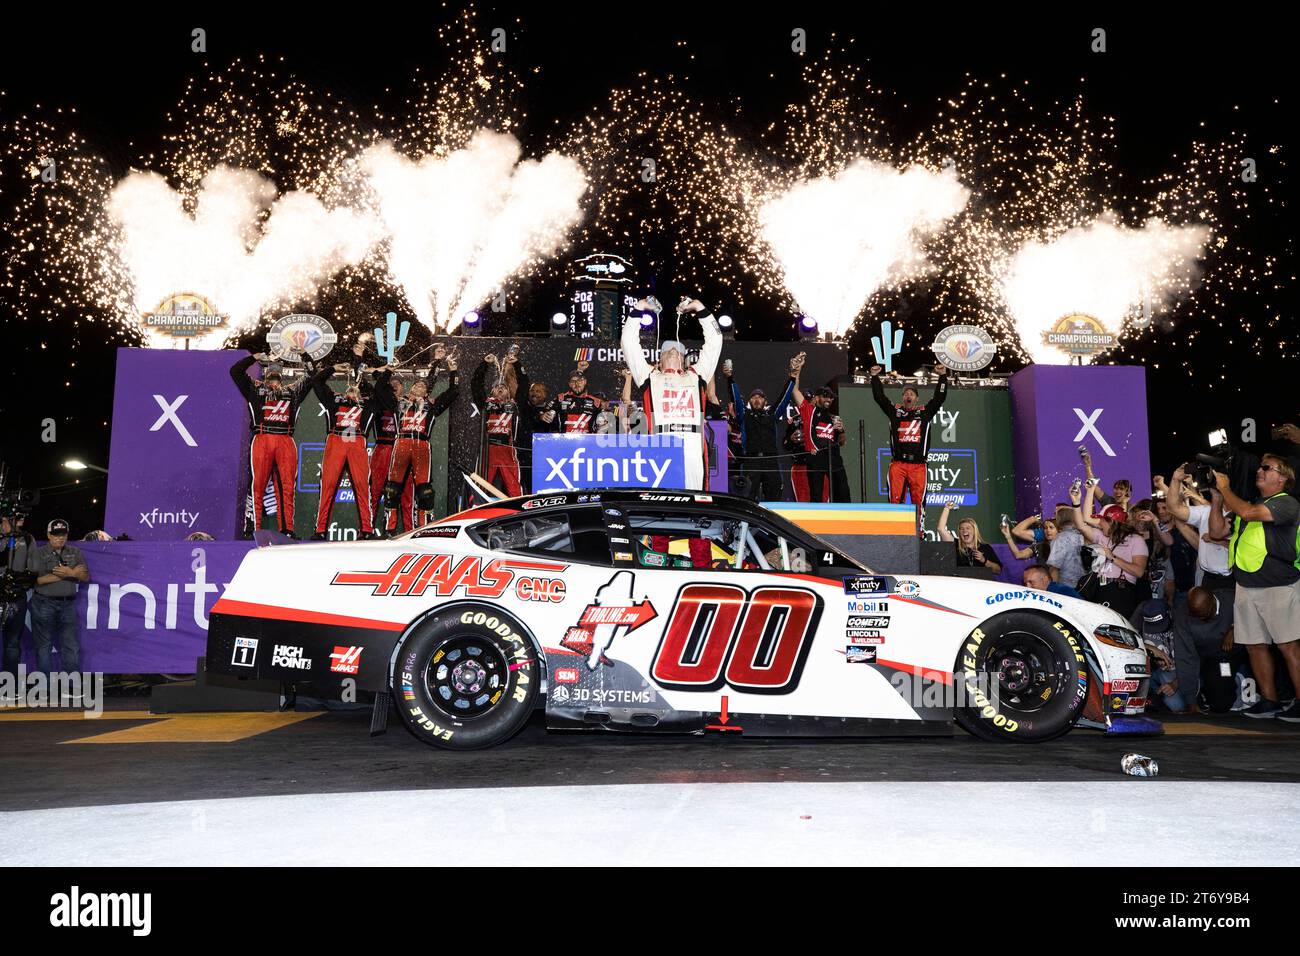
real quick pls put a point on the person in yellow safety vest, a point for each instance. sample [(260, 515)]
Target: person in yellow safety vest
[(1263, 558)]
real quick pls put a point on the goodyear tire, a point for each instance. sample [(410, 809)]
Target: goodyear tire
[(466, 677), (1023, 678)]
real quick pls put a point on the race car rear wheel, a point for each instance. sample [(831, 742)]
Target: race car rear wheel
[(466, 677), (1021, 677)]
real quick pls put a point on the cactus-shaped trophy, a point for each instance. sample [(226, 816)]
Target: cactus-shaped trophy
[(387, 345), (885, 347)]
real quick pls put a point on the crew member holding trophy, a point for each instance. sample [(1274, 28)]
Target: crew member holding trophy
[(501, 418), (673, 395), (345, 447), (411, 453)]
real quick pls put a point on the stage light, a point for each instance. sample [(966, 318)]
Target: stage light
[(471, 324), (560, 325), (73, 464), (728, 326), (807, 326), (647, 320)]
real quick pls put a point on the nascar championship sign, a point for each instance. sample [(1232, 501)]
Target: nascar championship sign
[(569, 462)]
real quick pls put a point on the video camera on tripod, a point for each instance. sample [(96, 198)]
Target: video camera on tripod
[(15, 502)]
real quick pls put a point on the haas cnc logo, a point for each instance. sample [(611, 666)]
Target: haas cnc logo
[(611, 615)]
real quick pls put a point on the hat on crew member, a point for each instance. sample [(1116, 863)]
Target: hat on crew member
[(57, 526)]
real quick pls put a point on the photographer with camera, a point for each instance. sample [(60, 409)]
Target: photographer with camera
[(1123, 552), (15, 580), (1262, 550), (59, 567), (1212, 570)]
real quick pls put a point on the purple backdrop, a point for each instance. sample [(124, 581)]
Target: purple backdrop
[(1057, 408), (146, 608), (179, 455)]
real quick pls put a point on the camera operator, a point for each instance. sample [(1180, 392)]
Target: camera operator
[(1262, 554), (15, 579), (1212, 570), (59, 567)]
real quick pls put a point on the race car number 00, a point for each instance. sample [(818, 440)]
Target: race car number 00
[(720, 634)]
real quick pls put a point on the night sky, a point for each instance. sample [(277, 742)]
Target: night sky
[(1165, 84)]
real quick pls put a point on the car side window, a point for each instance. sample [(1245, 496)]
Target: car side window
[(577, 534), (705, 541)]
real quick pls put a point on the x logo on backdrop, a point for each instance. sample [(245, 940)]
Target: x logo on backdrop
[(169, 415), (1090, 428)]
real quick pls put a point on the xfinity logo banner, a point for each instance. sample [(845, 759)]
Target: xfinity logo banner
[(1057, 408), (568, 462), (179, 451)]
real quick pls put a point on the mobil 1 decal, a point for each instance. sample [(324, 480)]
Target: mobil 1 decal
[(723, 635)]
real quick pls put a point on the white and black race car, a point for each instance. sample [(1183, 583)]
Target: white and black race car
[(595, 606)]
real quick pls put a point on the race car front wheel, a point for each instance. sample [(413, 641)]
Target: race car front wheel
[(1020, 677), (466, 677)]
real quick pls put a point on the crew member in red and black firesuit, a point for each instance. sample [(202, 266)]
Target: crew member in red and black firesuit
[(540, 414), (909, 435), (382, 417), (501, 419), (579, 409), (823, 434), (411, 451), (793, 445), (345, 446), (274, 409)]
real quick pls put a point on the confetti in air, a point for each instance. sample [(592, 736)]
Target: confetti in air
[(1116, 275), (459, 225), (838, 239)]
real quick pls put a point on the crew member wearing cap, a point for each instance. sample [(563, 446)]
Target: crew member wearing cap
[(345, 447), (58, 567), (909, 435), (412, 454), (1124, 553), (823, 434), (578, 409), (274, 410), (673, 395), (757, 423), (501, 419)]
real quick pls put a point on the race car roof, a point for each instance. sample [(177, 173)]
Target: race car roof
[(620, 496)]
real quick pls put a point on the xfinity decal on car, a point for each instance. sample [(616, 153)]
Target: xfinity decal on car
[(873, 585)]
